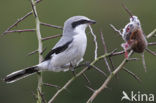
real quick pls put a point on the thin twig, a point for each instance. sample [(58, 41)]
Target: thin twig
[(50, 25), (33, 52), (132, 74), (86, 78), (150, 51), (51, 37), (95, 42), (18, 21), (118, 53), (19, 31), (103, 42), (133, 59), (116, 30), (91, 89), (143, 62), (127, 10), (36, 51), (99, 70), (152, 43), (111, 62), (109, 78), (151, 34), (105, 51), (51, 85)]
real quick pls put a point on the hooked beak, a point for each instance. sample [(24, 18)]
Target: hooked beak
[(91, 21)]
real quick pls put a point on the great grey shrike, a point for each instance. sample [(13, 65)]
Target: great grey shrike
[(66, 54)]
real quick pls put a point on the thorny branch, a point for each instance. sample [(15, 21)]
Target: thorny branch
[(19, 20), (40, 49), (109, 78), (92, 64)]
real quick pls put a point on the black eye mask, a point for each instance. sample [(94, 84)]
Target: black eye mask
[(76, 23)]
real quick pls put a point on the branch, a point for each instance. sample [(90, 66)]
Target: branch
[(52, 85), (40, 49), (19, 31), (151, 34), (51, 37), (105, 51), (152, 43), (19, 20), (53, 26), (118, 53), (86, 78), (99, 70), (151, 52), (143, 62), (91, 89), (132, 74), (116, 30), (109, 78)]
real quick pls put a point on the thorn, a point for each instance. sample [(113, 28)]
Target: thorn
[(43, 51), (131, 59), (132, 74), (150, 51), (111, 62), (143, 62), (53, 26), (51, 37), (52, 85), (34, 95), (114, 51), (33, 52), (42, 96), (90, 88), (99, 70), (115, 29), (127, 10), (86, 78), (83, 65)]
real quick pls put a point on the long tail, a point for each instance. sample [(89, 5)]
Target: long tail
[(20, 74)]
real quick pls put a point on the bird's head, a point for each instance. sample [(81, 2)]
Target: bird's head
[(77, 24)]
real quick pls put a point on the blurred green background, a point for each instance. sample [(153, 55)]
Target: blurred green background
[(15, 46)]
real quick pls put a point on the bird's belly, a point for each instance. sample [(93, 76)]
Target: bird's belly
[(72, 55)]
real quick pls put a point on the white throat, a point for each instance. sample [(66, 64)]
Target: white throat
[(80, 28)]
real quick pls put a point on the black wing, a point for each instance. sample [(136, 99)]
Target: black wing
[(57, 50)]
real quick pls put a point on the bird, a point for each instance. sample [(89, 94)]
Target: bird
[(67, 53)]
